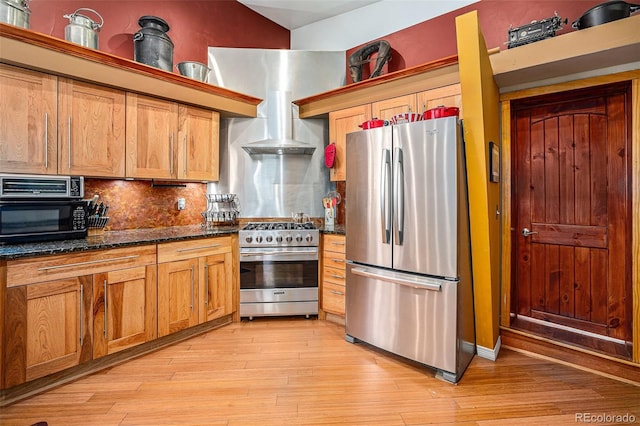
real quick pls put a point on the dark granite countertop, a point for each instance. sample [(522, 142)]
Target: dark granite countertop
[(337, 230), (113, 239)]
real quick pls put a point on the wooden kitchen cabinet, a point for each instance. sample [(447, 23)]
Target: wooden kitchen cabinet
[(91, 130), (342, 122), (47, 328), (166, 140), (195, 283), (124, 305), (449, 96), (198, 144), (387, 108), (28, 121), (152, 132), (333, 274), (217, 286), (54, 309)]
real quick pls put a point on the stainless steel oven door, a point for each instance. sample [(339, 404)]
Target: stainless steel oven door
[(278, 267)]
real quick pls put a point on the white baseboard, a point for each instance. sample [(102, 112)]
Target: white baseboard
[(490, 354)]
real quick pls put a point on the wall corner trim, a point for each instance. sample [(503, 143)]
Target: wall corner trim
[(490, 354)]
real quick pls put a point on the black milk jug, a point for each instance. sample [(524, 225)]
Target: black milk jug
[(151, 45)]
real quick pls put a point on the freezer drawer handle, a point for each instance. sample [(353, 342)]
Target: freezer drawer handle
[(422, 284)]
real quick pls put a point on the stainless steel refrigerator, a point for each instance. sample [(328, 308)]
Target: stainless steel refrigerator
[(409, 285)]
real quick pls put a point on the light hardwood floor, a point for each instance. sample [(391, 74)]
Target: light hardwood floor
[(296, 371)]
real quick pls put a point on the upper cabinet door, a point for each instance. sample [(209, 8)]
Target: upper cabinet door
[(386, 109), (91, 126), (198, 144), (340, 123), (449, 96), (152, 132), (28, 139)]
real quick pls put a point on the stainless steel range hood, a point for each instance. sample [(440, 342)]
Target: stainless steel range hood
[(279, 130)]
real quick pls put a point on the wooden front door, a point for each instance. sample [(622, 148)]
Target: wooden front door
[(572, 210)]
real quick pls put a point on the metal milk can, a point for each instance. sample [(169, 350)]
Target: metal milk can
[(83, 30), (151, 44)]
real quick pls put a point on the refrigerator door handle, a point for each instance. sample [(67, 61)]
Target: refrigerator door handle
[(415, 282), (398, 200), (385, 191)]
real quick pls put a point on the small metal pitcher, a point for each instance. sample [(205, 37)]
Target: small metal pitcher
[(83, 30)]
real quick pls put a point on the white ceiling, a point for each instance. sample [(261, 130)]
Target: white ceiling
[(293, 14)]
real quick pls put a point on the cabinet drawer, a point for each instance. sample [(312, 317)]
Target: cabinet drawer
[(47, 268), (181, 250), (333, 275), (333, 298), (333, 260), (334, 243)]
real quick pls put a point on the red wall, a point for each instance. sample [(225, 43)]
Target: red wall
[(436, 38), (194, 25)]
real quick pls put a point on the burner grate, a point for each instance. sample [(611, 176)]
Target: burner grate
[(278, 226)]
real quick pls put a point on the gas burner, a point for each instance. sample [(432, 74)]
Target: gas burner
[(277, 226)]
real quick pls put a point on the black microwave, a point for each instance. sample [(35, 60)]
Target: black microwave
[(41, 208)]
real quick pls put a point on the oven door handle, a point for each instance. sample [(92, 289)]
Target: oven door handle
[(271, 253)]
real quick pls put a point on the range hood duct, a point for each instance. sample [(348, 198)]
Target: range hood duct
[(279, 130)]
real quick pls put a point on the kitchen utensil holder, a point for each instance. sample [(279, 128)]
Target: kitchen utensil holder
[(96, 224)]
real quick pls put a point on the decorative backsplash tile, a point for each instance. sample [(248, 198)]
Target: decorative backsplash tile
[(136, 204)]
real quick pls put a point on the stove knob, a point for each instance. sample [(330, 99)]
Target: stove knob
[(248, 239), (269, 238), (259, 239), (299, 238), (289, 238), (278, 238), (308, 238)]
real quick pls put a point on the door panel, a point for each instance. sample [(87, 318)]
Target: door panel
[(369, 160), (572, 192), (177, 287)]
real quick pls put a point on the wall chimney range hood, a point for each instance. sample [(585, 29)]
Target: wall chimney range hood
[(279, 130)]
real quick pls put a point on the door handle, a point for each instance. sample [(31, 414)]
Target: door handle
[(385, 194), (398, 200), (525, 232)]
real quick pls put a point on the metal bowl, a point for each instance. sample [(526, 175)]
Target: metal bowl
[(194, 70)]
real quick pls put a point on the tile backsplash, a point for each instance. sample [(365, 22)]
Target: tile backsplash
[(138, 204)]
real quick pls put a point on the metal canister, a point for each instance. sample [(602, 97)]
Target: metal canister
[(83, 30), (151, 44), (15, 12)]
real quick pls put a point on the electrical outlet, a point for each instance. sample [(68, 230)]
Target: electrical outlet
[(181, 203)]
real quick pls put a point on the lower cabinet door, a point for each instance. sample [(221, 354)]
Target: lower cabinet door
[(48, 328), (177, 296), (217, 288), (124, 309)]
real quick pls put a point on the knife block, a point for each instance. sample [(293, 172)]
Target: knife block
[(96, 225)]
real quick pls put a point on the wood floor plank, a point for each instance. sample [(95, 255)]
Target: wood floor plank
[(291, 371)]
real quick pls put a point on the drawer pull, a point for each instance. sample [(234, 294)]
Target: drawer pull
[(337, 276), (198, 248), (339, 293), (337, 243), (337, 260), (89, 262)]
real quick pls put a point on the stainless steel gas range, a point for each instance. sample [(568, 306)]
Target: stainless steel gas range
[(278, 269)]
